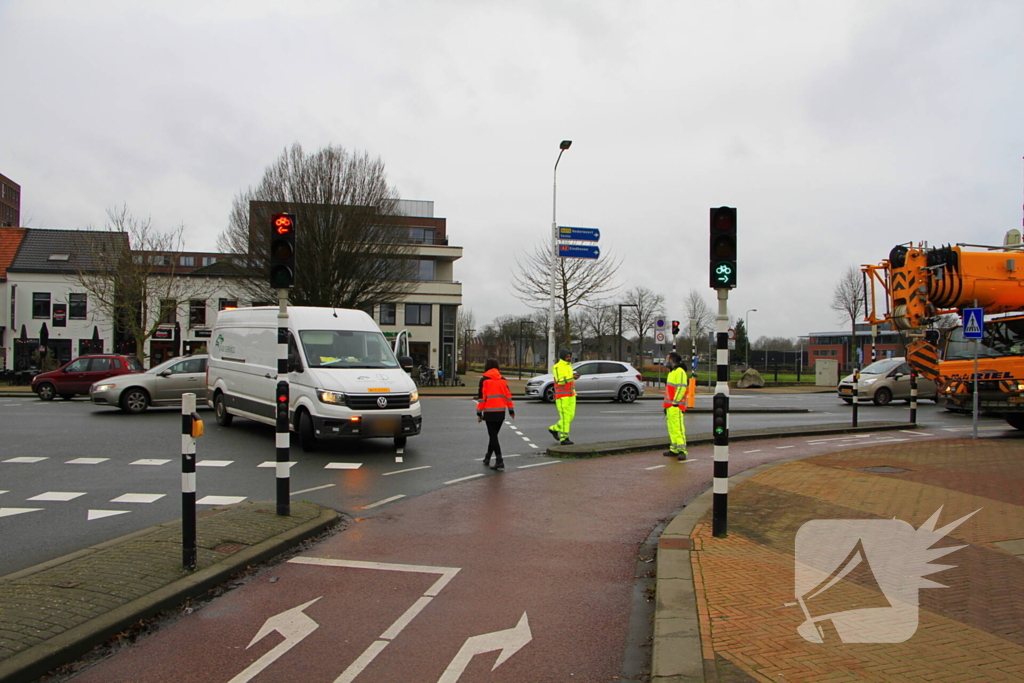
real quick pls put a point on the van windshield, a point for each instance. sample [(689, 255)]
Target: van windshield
[(347, 349)]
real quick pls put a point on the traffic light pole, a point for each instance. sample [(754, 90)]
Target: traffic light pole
[(282, 438), (720, 424)]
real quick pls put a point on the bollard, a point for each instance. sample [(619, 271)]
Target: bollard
[(856, 393), (913, 396), (188, 482)]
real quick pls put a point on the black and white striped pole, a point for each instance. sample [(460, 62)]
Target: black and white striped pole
[(913, 395), (283, 438), (720, 423), (191, 427)]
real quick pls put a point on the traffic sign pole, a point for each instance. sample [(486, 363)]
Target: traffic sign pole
[(974, 329)]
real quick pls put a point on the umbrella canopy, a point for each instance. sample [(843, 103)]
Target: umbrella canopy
[(95, 333), (44, 335), (24, 335)]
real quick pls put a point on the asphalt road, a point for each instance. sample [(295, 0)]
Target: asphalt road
[(73, 475)]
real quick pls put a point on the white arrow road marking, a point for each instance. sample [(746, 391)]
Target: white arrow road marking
[(293, 625), (100, 514), (509, 641), (8, 512)]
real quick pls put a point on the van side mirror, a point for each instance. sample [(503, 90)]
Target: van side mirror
[(406, 363), (294, 364)]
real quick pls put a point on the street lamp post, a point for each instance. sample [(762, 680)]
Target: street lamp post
[(565, 144), (746, 331), (469, 338), (621, 306)]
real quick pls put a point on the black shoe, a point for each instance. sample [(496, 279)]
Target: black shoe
[(682, 455), (498, 465), (554, 434), (670, 454), (565, 442), (487, 461)]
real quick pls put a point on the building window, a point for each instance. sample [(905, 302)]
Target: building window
[(209, 260), (168, 311), (387, 313), (186, 260), (417, 314), (197, 313), (77, 306), (227, 303), (425, 270), (421, 235), (40, 304)]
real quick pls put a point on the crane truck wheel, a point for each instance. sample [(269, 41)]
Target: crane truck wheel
[(1015, 420)]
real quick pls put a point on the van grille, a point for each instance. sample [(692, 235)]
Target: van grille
[(369, 401)]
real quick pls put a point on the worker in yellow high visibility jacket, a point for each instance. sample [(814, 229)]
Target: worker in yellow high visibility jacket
[(674, 406), (565, 396)]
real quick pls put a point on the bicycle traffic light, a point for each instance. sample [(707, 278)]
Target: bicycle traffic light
[(282, 251), (720, 419), (723, 248), (675, 328)]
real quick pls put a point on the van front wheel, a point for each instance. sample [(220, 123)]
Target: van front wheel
[(307, 437), (220, 411)]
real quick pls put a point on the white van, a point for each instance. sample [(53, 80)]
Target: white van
[(344, 379)]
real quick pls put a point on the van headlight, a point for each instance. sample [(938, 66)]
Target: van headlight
[(333, 397), (414, 396)]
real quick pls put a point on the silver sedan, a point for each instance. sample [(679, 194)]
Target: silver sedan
[(161, 385)]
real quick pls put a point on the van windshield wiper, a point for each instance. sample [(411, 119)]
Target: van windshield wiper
[(363, 367)]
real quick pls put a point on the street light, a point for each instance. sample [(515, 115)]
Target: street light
[(554, 253), (621, 306), (469, 336), (746, 331), (519, 361)]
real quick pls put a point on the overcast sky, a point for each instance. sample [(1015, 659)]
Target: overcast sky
[(837, 128)]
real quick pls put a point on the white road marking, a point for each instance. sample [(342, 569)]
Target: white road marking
[(220, 500), (539, 464), (509, 642), (25, 459), (455, 481), (57, 496), (382, 502), (293, 626), (526, 438), (138, 498), (533, 445), (10, 512), (399, 451), (343, 465), (411, 469), (150, 461), (889, 440), (315, 488), (781, 447), (656, 467), (4, 491), (100, 514), (913, 433), (964, 429), (214, 463), (274, 464), (757, 450), (86, 461), (399, 459)]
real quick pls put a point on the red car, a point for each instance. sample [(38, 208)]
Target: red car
[(77, 376)]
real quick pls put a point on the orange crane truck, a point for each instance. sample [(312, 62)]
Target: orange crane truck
[(921, 283)]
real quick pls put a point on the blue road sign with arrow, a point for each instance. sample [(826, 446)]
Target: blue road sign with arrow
[(974, 323), (579, 234), (578, 251)]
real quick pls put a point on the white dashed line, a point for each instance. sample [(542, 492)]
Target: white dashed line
[(533, 445), (382, 502), (455, 481), (150, 461), (86, 461), (758, 450), (138, 498), (220, 500), (411, 469), (656, 467), (56, 496), (214, 463), (343, 465), (539, 464), (315, 488), (912, 433), (274, 463), (779, 448), (526, 438), (25, 459)]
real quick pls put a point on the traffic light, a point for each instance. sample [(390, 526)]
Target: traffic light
[(723, 248), (282, 251), (720, 419), (675, 328)]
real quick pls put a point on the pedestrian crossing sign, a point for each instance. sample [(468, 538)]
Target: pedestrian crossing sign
[(974, 323)]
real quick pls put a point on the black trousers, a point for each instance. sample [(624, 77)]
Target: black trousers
[(492, 435)]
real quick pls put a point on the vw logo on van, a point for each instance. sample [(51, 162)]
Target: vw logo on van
[(382, 402)]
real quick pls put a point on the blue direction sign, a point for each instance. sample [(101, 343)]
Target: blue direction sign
[(579, 234), (579, 251), (974, 323)]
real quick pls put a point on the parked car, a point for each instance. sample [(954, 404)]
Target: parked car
[(78, 375), (598, 379), (161, 385), (885, 380)]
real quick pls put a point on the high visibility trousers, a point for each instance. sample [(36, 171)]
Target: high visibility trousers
[(566, 412), (674, 420)]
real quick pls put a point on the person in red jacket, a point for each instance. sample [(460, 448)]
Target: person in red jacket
[(493, 397)]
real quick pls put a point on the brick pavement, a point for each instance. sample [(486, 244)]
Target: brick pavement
[(972, 630)]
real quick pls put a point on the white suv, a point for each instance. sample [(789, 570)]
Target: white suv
[(598, 379)]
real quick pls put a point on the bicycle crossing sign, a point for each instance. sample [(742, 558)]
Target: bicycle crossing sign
[(974, 323)]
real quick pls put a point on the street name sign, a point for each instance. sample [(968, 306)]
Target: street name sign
[(578, 251), (579, 234)]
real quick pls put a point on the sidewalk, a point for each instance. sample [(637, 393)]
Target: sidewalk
[(727, 608)]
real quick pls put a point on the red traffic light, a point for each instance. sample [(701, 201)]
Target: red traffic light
[(283, 224)]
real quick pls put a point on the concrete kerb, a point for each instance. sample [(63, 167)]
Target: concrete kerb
[(39, 659)]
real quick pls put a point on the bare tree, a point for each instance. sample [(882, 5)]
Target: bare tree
[(577, 281), (350, 252), (465, 327), (599, 324), (646, 305), (132, 277), (848, 300)]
